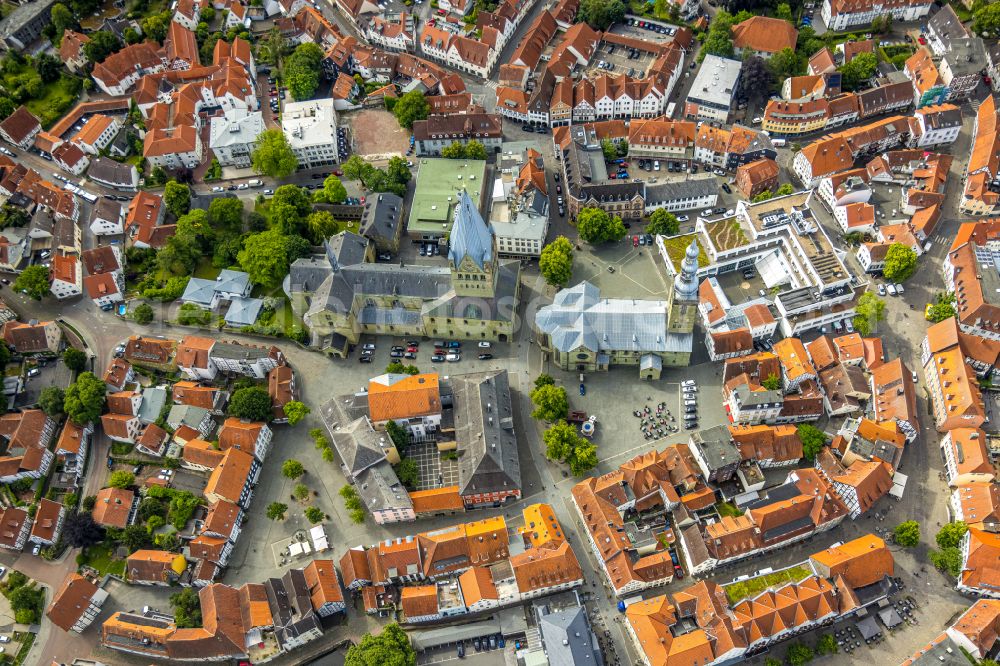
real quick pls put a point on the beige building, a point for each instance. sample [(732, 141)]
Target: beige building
[(342, 294)]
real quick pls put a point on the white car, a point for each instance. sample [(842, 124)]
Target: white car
[(453, 357), (243, 186), (484, 345), (218, 188), (682, 218), (4, 639), (688, 382)]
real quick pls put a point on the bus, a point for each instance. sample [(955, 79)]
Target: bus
[(670, 109)]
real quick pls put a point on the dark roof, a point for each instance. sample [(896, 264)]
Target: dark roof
[(382, 217), (111, 172), (484, 430)]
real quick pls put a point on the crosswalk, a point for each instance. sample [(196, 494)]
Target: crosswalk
[(491, 84)]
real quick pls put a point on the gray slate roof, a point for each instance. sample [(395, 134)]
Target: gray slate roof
[(382, 216), (683, 189), (358, 445), (243, 311), (579, 317), (345, 249), (484, 430), (568, 638), (470, 235)]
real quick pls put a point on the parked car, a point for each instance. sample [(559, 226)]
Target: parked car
[(484, 345), (453, 357), (438, 358), (485, 357), (369, 346), (583, 389)]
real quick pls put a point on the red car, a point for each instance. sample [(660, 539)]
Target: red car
[(441, 12), (922, 39), (338, 172), (413, 349), (635, 241)]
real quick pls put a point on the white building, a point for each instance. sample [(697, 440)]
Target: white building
[(311, 130), (938, 124), (107, 218), (233, 137), (842, 14), (713, 90), (67, 276)]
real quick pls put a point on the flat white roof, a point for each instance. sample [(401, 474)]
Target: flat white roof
[(716, 80), (310, 123)]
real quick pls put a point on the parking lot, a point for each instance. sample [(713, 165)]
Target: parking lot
[(617, 59), (639, 32), (53, 373)]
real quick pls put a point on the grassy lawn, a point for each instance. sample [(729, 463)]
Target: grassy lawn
[(754, 586), (56, 98), (678, 245), (99, 557), (727, 509)]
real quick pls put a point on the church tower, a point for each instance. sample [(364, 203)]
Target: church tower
[(472, 255), (683, 301)]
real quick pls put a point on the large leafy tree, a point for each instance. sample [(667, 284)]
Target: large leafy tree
[(102, 44), (596, 226), (252, 403), (556, 262), (121, 479), (226, 213), (333, 191), (870, 311), (986, 20), (177, 198), (756, 77), (410, 108), (550, 403), (949, 560), (900, 262), (295, 411), (50, 400), (907, 533), (273, 156), (276, 510), (390, 648), (813, 440), (600, 14), (943, 307), (265, 257), (75, 359), (62, 18), (322, 224), (786, 62), (663, 223), (951, 534), (85, 399), (34, 281), (187, 608), (302, 70), (180, 254), (719, 40), (292, 469), (861, 68), (80, 530)]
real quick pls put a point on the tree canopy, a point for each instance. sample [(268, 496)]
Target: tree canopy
[(333, 191), (392, 647), (663, 223), (719, 40), (556, 262), (986, 20), (813, 440), (302, 70), (187, 608), (102, 44), (950, 535), (550, 403), (870, 311), (295, 411), (50, 400), (121, 479), (276, 510), (942, 308), (596, 226), (265, 257), (34, 281), (85, 399), (292, 469), (252, 403), (900, 263), (563, 444), (75, 359), (907, 533), (273, 156), (600, 14), (860, 68), (177, 198), (226, 213), (410, 108)]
